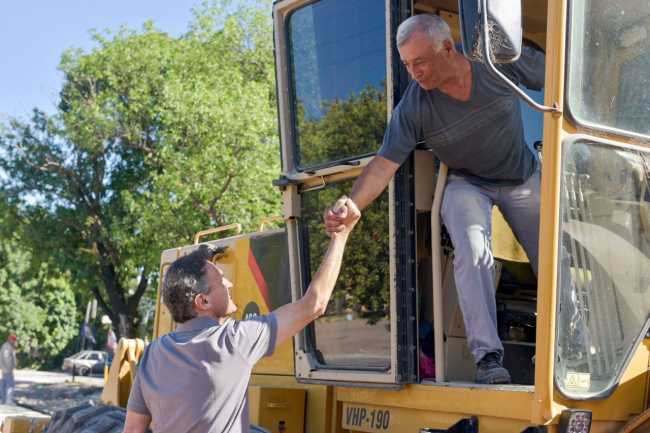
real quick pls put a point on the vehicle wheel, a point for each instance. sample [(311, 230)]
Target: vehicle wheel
[(86, 418), (83, 371)]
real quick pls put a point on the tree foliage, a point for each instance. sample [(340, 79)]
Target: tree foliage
[(351, 126), (38, 303), (155, 139)]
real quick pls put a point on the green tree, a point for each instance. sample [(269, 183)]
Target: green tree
[(156, 139), (38, 303)]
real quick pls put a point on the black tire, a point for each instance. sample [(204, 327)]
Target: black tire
[(88, 419), (83, 370)]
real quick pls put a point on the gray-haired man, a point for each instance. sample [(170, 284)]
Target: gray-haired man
[(196, 378), (472, 122)]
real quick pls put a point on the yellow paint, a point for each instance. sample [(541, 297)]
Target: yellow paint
[(318, 413), (24, 424), (542, 406), (272, 407), (467, 401), (245, 290)]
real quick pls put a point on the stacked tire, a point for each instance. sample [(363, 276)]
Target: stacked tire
[(87, 418)]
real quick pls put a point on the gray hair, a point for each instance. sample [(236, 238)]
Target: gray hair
[(185, 279), (435, 28)]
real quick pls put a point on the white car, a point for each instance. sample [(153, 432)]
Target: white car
[(86, 362)]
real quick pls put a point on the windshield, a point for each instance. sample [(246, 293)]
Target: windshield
[(337, 57), (603, 297), (609, 58)]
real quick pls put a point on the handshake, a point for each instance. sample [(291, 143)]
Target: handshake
[(341, 218)]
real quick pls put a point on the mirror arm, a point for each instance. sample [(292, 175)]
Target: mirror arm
[(487, 60)]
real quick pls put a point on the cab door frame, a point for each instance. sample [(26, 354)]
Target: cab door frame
[(293, 181)]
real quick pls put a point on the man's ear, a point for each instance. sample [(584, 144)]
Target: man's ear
[(202, 302), (448, 47)]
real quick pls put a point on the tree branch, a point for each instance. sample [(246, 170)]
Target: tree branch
[(134, 299), (102, 304)]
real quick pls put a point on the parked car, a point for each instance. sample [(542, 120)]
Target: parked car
[(86, 362)]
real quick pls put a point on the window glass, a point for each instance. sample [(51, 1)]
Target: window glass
[(93, 357), (533, 119), (355, 330), (608, 82), (603, 298), (338, 77)]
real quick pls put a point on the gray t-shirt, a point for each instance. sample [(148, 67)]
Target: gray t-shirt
[(481, 139), (195, 379)]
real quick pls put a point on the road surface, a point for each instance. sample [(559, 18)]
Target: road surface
[(39, 388)]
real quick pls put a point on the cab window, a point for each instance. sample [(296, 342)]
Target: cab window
[(337, 58), (608, 84), (606, 241), (355, 330)]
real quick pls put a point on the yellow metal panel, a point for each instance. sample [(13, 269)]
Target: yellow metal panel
[(468, 401), (272, 407), (318, 414), (359, 417), (543, 409), (245, 290), (24, 424)]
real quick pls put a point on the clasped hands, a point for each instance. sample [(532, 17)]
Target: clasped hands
[(341, 218)]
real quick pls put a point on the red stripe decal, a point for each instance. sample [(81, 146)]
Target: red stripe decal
[(259, 279)]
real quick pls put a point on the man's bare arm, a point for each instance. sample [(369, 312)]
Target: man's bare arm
[(293, 317), (136, 422), (369, 185)]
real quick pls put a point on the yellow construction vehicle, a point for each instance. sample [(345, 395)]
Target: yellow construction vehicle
[(359, 368)]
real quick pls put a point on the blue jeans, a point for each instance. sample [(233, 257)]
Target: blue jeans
[(7, 388), (467, 213)]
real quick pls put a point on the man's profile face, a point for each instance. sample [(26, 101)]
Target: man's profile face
[(219, 295), (425, 65)]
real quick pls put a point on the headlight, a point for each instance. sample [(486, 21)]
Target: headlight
[(575, 421)]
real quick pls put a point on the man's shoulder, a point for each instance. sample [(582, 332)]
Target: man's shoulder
[(411, 99)]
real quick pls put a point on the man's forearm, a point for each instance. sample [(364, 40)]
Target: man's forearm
[(322, 284), (291, 318), (373, 181)]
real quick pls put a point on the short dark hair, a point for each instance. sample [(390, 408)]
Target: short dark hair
[(184, 280)]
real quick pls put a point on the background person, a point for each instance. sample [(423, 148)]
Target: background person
[(8, 364)]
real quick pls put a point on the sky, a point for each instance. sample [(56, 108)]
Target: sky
[(34, 34)]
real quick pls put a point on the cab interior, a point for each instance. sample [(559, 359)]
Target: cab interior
[(516, 284)]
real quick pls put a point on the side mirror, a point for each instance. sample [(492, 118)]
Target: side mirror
[(504, 25)]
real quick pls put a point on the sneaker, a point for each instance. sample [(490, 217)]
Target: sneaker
[(491, 371)]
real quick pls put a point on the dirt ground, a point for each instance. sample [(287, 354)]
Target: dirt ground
[(48, 392)]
